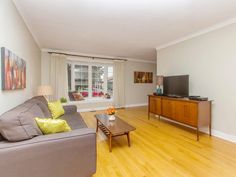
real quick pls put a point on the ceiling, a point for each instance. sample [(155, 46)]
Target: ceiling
[(119, 28)]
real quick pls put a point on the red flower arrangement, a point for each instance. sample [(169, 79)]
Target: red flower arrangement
[(111, 111)]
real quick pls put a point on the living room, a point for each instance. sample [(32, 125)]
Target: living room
[(84, 88)]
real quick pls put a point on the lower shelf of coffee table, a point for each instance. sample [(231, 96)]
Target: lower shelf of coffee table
[(104, 129)]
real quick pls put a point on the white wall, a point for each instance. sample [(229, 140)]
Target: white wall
[(15, 36), (210, 60), (136, 94)]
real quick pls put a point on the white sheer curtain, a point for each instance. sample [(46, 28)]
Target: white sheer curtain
[(119, 84), (58, 76)]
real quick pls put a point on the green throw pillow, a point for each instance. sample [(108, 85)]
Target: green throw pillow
[(56, 109), (50, 126)]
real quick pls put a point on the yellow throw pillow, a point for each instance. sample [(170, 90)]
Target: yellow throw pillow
[(56, 109), (50, 126)]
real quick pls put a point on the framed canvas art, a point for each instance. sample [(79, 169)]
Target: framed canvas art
[(143, 77), (13, 71)]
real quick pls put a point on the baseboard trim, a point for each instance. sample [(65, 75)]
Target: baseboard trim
[(136, 105), (90, 110), (216, 133), (104, 108), (224, 136)]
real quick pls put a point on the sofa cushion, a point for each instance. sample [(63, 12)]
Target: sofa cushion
[(42, 99), (44, 109), (70, 109), (74, 120), (78, 96), (19, 124), (56, 109), (51, 126), (42, 103)]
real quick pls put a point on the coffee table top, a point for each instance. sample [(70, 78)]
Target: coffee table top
[(115, 127)]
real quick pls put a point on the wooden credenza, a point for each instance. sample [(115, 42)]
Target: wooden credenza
[(193, 113)]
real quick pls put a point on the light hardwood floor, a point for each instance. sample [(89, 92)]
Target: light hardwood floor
[(159, 148)]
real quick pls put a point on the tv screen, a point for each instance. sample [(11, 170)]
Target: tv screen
[(176, 85)]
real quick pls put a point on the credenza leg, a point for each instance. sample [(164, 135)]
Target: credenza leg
[(210, 129), (197, 134), (210, 120), (159, 117)]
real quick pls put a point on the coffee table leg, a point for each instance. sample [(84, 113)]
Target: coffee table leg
[(128, 139), (110, 138)]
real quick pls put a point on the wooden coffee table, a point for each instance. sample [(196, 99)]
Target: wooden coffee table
[(117, 127)]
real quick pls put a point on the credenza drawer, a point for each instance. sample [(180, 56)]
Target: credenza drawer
[(186, 113), (168, 108), (155, 105)]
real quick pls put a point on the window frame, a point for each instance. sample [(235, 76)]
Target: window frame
[(90, 64)]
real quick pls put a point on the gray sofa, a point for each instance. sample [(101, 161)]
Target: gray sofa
[(69, 154)]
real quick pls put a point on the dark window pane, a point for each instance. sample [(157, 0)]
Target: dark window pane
[(69, 76)]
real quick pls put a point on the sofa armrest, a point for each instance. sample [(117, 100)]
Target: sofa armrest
[(58, 155), (69, 109)]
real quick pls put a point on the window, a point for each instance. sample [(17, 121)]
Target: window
[(110, 80), (90, 80), (98, 84), (81, 79)]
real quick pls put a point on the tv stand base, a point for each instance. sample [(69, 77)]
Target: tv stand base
[(195, 114)]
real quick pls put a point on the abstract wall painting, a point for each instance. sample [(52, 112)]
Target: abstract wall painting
[(13, 71), (143, 77)]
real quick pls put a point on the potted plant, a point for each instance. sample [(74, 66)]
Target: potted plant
[(63, 100)]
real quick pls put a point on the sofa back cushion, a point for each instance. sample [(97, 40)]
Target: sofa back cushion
[(18, 124), (74, 120), (42, 103)]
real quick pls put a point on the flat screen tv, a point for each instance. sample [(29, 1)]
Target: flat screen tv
[(176, 86)]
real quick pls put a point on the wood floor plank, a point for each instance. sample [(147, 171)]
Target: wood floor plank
[(161, 149)]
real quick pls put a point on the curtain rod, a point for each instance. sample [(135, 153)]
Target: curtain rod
[(74, 55)]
